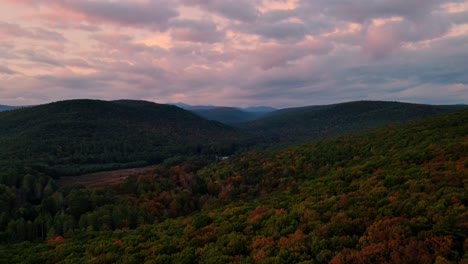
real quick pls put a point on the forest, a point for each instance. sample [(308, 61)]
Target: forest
[(393, 194)]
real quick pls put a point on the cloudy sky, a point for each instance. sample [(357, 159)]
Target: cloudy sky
[(234, 52)]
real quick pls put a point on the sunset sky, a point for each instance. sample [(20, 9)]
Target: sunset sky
[(277, 53)]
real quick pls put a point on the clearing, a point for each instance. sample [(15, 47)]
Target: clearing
[(101, 179)]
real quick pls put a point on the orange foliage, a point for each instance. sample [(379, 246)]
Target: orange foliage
[(55, 240), (310, 215), (398, 250), (262, 242), (257, 214), (384, 230), (454, 200), (260, 255), (343, 201), (280, 212), (294, 242)]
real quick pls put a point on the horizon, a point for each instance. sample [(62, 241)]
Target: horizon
[(277, 53), (234, 106)]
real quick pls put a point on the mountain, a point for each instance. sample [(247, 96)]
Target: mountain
[(230, 115), (7, 107), (389, 195), (262, 109), (314, 122), (253, 109), (80, 136), (195, 107), (227, 115)]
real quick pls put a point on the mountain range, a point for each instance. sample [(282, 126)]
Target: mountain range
[(80, 136), (314, 122), (395, 193), (210, 107)]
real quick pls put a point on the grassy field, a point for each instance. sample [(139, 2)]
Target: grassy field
[(101, 179)]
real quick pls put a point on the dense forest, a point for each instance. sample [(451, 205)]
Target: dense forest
[(315, 122), (396, 194), (79, 136)]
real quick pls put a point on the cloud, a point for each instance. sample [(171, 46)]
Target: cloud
[(40, 56), (386, 35), (365, 10), (240, 10), (437, 94), (246, 52), (272, 55), (154, 14), (281, 30), (9, 30), (203, 31), (6, 70)]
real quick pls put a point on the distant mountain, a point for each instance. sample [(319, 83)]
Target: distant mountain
[(254, 109), (80, 136), (313, 122), (229, 115), (194, 107), (263, 109), (8, 107)]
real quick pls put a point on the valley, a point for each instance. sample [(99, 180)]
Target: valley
[(381, 181), (233, 131)]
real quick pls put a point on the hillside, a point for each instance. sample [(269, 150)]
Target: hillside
[(229, 115), (315, 122), (391, 195), (80, 136)]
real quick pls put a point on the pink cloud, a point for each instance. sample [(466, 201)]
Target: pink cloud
[(10, 31), (381, 40), (202, 31), (240, 10), (271, 55), (387, 35), (153, 14), (283, 52)]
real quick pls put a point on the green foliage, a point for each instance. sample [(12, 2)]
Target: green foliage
[(315, 122), (392, 195), (81, 136)]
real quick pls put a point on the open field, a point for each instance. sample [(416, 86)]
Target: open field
[(101, 179)]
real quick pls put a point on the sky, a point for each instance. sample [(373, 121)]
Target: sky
[(278, 53)]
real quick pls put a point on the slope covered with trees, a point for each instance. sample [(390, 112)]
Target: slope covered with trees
[(392, 195), (39, 144), (79, 136), (315, 122)]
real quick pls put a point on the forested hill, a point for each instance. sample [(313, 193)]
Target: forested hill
[(391, 195), (78, 136), (314, 122)]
